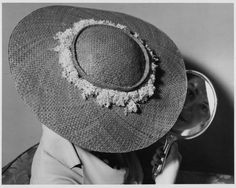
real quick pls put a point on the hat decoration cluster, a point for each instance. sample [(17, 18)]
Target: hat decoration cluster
[(130, 100)]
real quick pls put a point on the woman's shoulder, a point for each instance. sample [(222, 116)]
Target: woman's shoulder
[(48, 169)]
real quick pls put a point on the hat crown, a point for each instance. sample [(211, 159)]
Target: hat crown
[(109, 56)]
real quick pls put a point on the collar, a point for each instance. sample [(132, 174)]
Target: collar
[(63, 151), (54, 144)]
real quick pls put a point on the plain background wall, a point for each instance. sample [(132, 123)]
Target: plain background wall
[(204, 35)]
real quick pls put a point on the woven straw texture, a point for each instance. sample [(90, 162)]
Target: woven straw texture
[(60, 106), (122, 58)]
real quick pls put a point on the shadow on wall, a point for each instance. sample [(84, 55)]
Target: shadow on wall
[(213, 151)]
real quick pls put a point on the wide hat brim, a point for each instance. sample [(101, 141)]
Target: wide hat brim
[(60, 106)]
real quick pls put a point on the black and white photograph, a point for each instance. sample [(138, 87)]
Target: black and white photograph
[(117, 93)]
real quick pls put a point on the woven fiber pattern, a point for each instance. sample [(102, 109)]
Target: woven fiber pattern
[(122, 59), (60, 106)]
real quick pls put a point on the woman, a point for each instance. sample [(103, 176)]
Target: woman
[(106, 87), (57, 161)]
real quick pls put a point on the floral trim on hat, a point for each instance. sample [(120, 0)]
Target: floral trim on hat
[(104, 97)]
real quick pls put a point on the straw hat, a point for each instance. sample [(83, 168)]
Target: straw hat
[(105, 81)]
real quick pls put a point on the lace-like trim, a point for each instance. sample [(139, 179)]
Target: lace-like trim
[(104, 97)]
